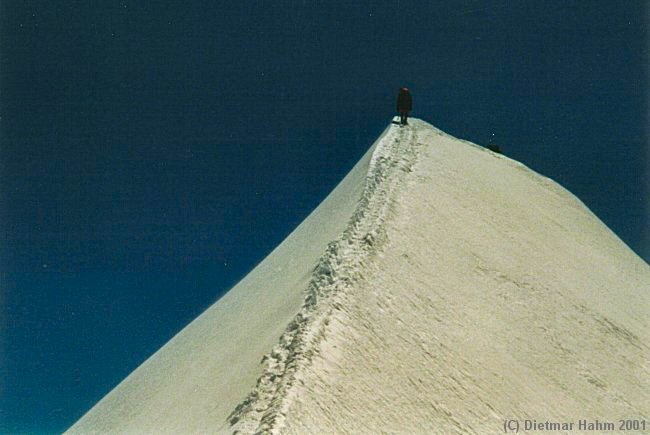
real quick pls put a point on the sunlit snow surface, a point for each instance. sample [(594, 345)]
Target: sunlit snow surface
[(441, 288)]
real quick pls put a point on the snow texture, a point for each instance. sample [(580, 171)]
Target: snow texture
[(441, 288)]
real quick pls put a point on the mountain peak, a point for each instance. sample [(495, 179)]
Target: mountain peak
[(441, 287)]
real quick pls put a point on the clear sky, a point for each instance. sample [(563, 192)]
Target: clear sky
[(151, 155)]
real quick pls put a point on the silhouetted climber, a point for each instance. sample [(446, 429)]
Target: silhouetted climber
[(494, 148), (404, 105)]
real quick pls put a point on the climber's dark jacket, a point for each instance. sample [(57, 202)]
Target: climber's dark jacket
[(404, 101)]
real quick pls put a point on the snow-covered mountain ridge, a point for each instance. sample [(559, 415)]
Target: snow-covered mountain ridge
[(441, 288), (336, 273)]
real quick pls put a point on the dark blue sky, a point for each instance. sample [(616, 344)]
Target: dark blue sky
[(151, 155)]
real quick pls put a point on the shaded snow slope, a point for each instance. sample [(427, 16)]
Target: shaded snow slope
[(193, 382), (445, 288)]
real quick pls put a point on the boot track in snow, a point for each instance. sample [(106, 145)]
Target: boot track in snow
[(263, 410)]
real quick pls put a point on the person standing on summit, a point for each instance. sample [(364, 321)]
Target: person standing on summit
[(404, 105)]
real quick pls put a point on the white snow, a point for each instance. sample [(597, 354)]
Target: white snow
[(193, 382), (441, 288)]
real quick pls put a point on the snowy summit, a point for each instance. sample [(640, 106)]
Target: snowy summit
[(440, 288)]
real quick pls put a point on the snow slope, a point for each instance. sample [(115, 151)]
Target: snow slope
[(441, 288), (193, 382)]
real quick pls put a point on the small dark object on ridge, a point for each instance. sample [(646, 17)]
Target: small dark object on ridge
[(404, 105), (494, 148)]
